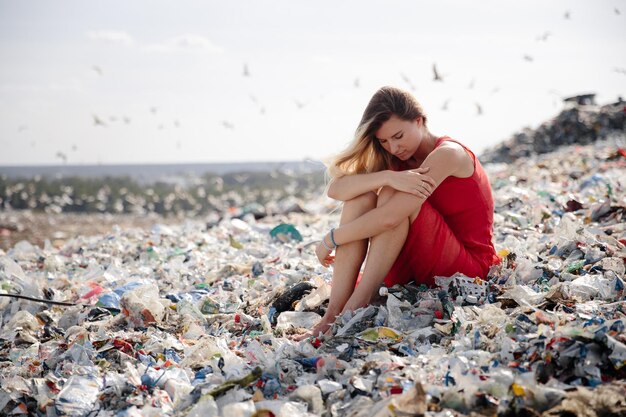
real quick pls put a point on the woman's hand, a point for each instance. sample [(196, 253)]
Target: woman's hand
[(323, 254), (412, 181)]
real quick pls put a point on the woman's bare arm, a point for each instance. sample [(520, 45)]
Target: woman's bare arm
[(347, 187), (350, 186), (443, 162)]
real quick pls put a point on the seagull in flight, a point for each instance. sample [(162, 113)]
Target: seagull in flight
[(98, 121), (408, 81), (228, 125), (543, 37), (256, 103), (62, 156), (436, 75), (97, 70)]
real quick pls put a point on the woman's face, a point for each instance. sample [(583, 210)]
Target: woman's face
[(399, 137)]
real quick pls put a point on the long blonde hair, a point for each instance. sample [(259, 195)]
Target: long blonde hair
[(365, 154)]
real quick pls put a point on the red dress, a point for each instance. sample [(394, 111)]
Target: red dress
[(452, 232)]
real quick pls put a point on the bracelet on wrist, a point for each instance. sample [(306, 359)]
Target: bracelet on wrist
[(332, 237), (328, 248)]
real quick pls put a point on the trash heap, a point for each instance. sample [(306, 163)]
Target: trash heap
[(196, 319), (197, 195), (580, 124)]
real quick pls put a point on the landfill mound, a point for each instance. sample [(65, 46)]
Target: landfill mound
[(196, 319), (581, 122), (196, 195)]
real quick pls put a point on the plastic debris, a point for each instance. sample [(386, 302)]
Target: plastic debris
[(179, 320), (286, 232)]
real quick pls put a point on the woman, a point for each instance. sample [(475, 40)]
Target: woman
[(411, 226)]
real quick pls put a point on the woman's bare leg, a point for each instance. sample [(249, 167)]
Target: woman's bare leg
[(348, 261), (383, 251)]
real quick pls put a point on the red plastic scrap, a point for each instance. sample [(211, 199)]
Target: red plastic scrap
[(395, 390), (316, 342), (123, 346)]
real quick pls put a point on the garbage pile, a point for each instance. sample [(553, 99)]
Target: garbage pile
[(198, 195), (197, 319), (577, 124)]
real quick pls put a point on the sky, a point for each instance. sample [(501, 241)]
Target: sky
[(154, 81)]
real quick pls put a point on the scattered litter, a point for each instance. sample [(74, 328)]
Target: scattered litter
[(188, 320)]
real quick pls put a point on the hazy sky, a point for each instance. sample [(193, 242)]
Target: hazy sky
[(208, 81)]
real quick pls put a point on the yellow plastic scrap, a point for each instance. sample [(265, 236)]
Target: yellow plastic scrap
[(234, 243), (503, 252), (374, 334), (518, 390)]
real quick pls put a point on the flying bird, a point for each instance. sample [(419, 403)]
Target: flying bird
[(153, 110), (444, 107), (543, 37), (436, 75), (246, 70), (256, 102), (616, 10), (566, 15), (479, 109), (528, 58), (299, 104), (61, 156), (98, 121), (97, 70), (408, 81), (228, 125), (126, 119), (620, 70)]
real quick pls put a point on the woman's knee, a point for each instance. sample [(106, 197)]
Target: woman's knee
[(384, 195), (359, 205)]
